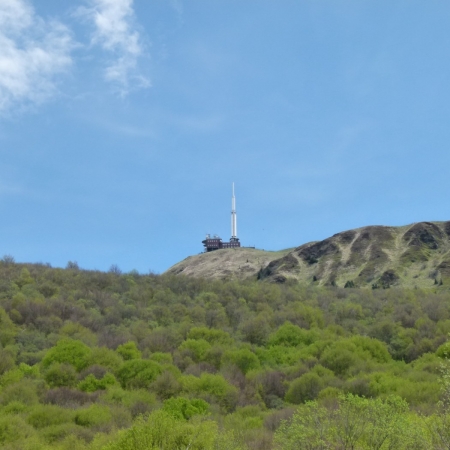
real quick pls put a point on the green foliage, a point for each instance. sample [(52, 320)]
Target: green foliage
[(78, 332), (212, 336), (138, 373), (198, 347), (444, 350), (105, 357), (247, 349), (42, 416), (129, 351), (305, 388), (94, 415), (13, 429), (290, 335), (183, 408), (24, 391), (356, 423), (166, 385), (92, 384), (162, 431), (7, 329), (161, 358), (210, 386), (59, 375), (68, 351), (243, 358)]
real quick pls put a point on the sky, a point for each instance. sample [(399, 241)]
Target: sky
[(123, 124)]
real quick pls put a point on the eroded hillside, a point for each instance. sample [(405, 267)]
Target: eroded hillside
[(378, 256), (416, 255)]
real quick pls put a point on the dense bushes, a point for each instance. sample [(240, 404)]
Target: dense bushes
[(86, 354)]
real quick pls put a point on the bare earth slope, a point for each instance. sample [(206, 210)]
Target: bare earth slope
[(416, 255)]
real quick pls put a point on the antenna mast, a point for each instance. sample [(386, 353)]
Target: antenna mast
[(233, 217)]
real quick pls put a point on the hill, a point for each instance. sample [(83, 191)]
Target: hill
[(416, 255), (236, 263)]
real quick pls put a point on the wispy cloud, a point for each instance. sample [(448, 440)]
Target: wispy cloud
[(33, 53), (116, 32)]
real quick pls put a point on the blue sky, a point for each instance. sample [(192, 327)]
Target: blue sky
[(123, 124)]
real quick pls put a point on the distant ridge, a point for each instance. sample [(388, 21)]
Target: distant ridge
[(416, 255)]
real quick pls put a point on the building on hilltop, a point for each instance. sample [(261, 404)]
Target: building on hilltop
[(214, 242)]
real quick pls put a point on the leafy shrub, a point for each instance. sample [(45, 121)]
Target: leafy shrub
[(68, 351), (444, 351), (339, 357), (305, 388), (376, 349), (94, 415), (161, 358), (13, 428), (117, 395), (213, 336), (211, 386), (45, 415), (290, 335), (198, 347), (183, 408), (7, 329), (6, 361), (162, 430), (129, 351), (105, 357), (24, 391), (92, 384), (138, 373), (59, 375), (242, 358), (166, 385)]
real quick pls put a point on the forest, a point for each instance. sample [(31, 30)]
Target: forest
[(121, 361)]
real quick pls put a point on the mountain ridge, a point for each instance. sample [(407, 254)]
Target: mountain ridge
[(415, 255)]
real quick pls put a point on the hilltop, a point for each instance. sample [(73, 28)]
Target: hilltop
[(416, 255), (237, 263)]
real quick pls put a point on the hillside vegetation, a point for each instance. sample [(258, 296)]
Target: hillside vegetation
[(93, 360), (412, 256)]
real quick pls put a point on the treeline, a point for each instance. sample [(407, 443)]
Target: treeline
[(109, 361)]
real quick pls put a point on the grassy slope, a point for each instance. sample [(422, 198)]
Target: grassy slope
[(239, 263)]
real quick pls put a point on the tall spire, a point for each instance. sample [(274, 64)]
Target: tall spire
[(233, 217)]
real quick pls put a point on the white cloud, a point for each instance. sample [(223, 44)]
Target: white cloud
[(115, 31), (33, 52)]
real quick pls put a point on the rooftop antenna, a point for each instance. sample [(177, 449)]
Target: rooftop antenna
[(233, 217)]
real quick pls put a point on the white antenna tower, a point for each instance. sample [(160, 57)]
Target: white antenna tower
[(233, 217)]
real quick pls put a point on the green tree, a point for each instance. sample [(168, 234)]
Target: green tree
[(243, 358), (138, 373), (68, 351), (129, 351)]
